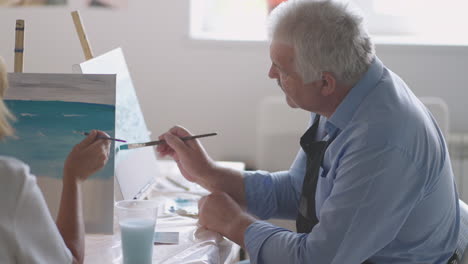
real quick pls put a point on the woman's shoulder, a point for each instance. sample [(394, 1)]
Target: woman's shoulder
[(14, 177), (12, 164), (13, 170)]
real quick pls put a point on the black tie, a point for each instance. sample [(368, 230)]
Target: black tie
[(315, 150)]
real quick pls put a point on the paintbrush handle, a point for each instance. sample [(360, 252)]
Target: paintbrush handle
[(157, 142)]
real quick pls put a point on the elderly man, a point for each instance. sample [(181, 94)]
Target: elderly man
[(372, 182)]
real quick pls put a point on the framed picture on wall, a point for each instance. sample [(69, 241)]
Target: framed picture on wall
[(113, 4), (13, 3), (107, 3)]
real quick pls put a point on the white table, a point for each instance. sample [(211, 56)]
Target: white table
[(196, 245)]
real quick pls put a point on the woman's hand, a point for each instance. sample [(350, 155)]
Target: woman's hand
[(87, 157)]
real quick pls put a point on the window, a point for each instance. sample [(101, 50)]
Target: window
[(245, 19), (414, 16), (228, 19)]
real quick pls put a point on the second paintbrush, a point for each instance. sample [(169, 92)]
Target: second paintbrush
[(157, 142)]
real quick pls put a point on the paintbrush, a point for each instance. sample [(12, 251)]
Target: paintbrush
[(157, 142), (103, 137)]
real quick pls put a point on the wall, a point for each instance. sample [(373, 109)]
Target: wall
[(201, 85)]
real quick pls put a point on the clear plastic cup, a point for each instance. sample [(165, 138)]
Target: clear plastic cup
[(137, 221)]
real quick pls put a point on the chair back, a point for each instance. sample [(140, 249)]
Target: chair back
[(463, 234), (278, 132)]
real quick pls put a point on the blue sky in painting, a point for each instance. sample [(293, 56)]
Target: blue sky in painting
[(46, 133)]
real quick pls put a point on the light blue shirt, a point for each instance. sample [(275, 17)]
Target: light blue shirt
[(385, 191)]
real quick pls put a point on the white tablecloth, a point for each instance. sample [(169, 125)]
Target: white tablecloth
[(196, 245)]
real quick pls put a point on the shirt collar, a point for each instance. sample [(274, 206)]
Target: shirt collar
[(346, 109)]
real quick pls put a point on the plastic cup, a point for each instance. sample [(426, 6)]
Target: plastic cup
[(137, 220)]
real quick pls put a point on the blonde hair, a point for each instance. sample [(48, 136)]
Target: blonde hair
[(5, 115)]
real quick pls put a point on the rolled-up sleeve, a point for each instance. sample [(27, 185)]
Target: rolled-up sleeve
[(275, 194), (270, 194)]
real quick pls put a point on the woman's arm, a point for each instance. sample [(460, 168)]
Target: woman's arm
[(85, 159)]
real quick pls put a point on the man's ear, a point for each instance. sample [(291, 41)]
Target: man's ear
[(328, 84)]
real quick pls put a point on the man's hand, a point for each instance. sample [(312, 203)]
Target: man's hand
[(87, 157), (220, 213), (195, 164), (192, 159)]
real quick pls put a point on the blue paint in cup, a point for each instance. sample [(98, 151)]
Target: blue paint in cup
[(137, 240), (137, 220)]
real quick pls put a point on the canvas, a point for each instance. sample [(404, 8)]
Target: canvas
[(135, 169), (51, 110)]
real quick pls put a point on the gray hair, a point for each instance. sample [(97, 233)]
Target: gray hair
[(326, 36)]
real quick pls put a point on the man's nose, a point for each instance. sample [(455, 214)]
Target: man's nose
[(272, 73)]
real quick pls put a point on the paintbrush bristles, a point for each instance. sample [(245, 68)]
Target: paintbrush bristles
[(102, 137)]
